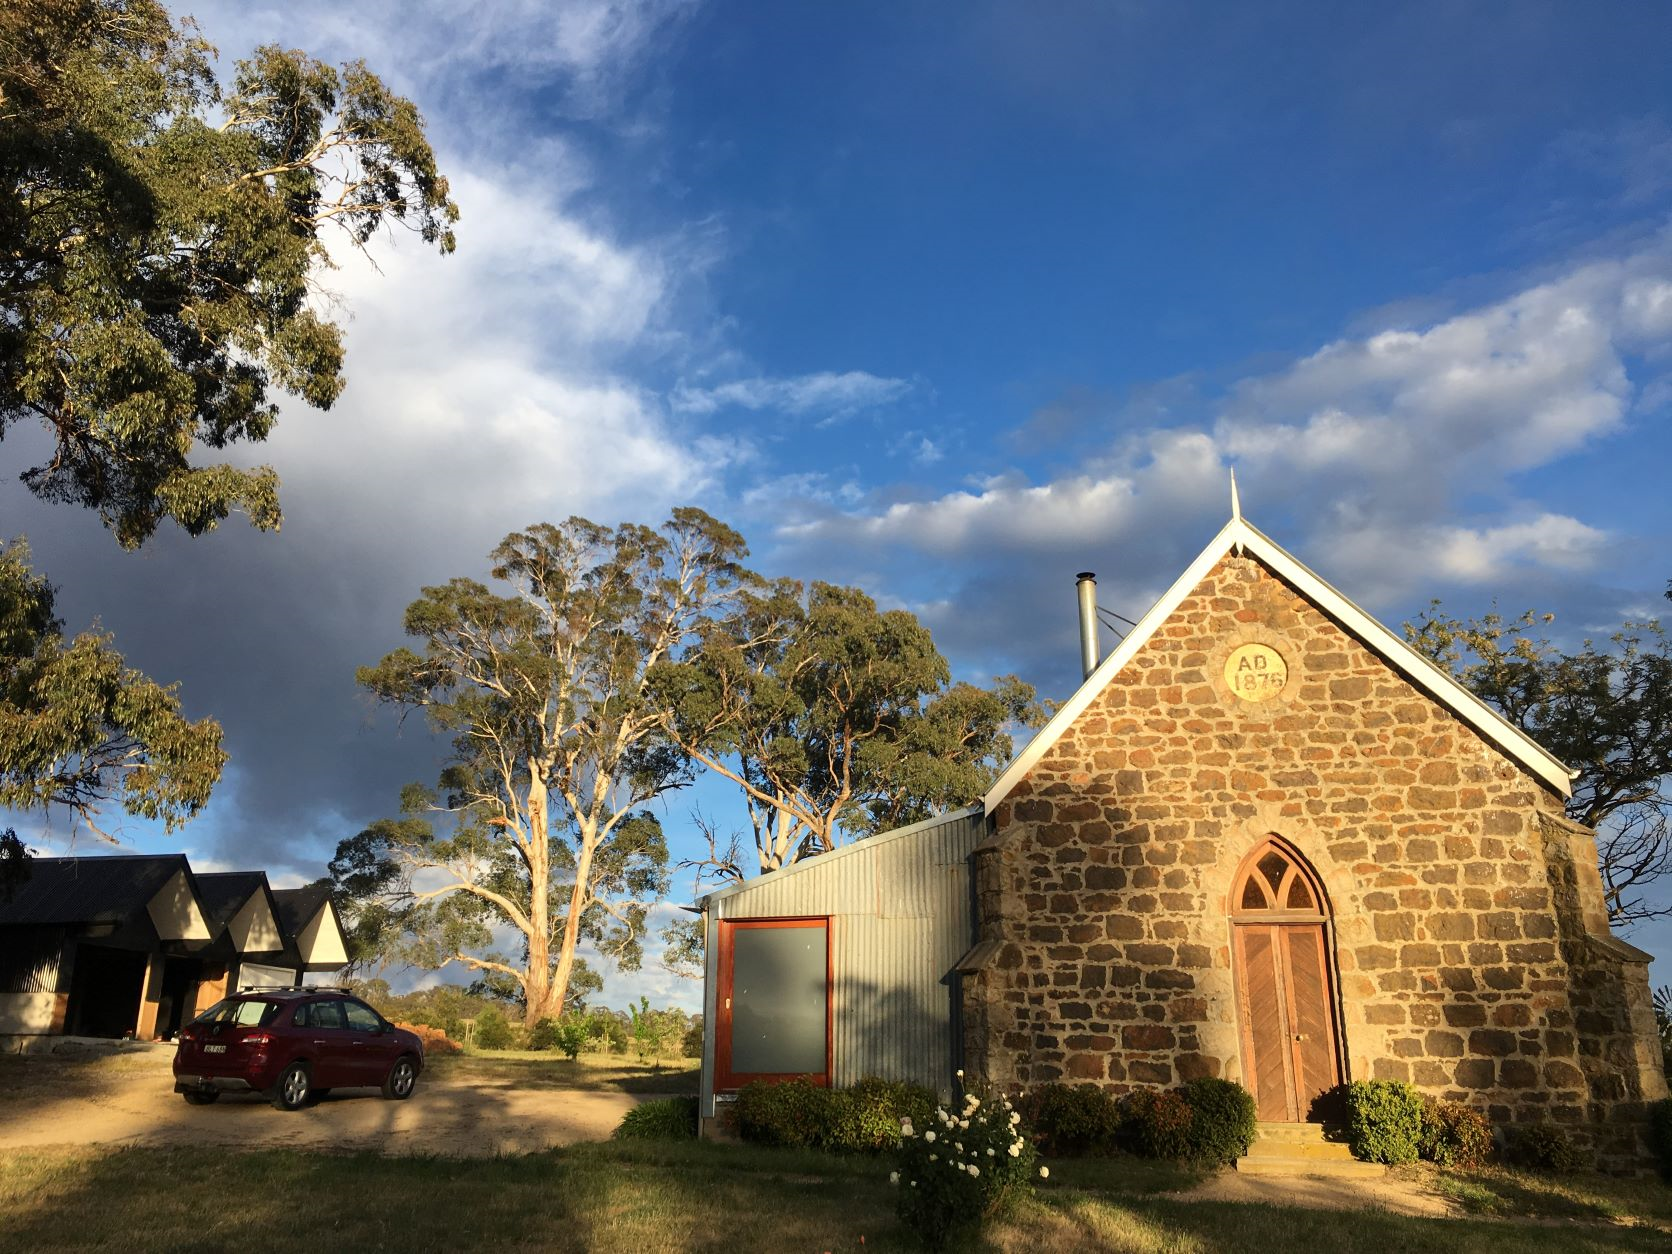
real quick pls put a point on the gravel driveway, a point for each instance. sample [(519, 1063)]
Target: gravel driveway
[(130, 1100)]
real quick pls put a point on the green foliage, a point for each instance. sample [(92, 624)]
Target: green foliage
[(1547, 1148), (79, 728), (1070, 1120), (442, 1006), (682, 947), (1384, 1121), (657, 1033), (1455, 1135), (1223, 1119), (1157, 1123), (691, 1044), (543, 1035), (668, 1119), (1660, 1135), (832, 717), (960, 1169), (14, 866), (865, 1118), (1607, 711), (557, 748), (493, 1030), (159, 238)]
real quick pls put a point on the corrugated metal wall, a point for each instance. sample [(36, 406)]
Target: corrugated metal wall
[(900, 918)]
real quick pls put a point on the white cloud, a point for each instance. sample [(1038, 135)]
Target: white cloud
[(829, 395)]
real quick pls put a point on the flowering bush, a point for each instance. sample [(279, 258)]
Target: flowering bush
[(964, 1166), (435, 1040)]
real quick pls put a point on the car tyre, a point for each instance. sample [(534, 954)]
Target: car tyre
[(201, 1097), (293, 1088), (401, 1080)]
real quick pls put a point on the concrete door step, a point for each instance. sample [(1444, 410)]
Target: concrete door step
[(1349, 1168), (1318, 1151), (1308, 1133)]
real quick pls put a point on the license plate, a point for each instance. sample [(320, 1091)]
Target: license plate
[(214, 1049)]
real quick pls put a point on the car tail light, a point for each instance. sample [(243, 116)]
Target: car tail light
[(259, 1039), (187, 1034)]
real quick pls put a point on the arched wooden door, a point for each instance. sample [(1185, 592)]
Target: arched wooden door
[(1285, 1001)]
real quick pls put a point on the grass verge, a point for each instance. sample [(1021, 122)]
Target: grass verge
[(652, 1197)]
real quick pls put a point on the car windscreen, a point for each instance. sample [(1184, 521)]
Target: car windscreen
[(251, 1012)]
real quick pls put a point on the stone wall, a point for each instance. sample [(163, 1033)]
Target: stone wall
[(1470, 941)]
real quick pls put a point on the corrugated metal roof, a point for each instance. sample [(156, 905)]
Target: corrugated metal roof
[(105, 889)]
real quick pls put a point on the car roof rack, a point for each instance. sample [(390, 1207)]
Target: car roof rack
[(295, 988)]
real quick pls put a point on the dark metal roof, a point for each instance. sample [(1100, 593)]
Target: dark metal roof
[(297, 906), (223, 893), (107, 889)]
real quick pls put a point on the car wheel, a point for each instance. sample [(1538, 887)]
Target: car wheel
[(403, 1078), (202, 1097), (292, 1089)]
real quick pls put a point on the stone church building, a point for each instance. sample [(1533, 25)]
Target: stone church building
[(1265, 840)]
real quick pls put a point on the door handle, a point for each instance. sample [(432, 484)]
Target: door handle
[(319, 1042), (1299, 1037)]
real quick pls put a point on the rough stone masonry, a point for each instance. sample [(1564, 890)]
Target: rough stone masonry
[(1471, 949)]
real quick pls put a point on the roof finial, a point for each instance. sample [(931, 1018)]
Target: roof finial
[(1236, 512)]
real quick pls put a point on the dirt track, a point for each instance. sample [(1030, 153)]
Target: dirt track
[(131, 1101)]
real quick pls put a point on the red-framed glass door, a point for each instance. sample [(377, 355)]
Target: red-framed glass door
[(772, 1018)]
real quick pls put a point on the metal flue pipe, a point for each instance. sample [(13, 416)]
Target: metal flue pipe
[(1085, 584)]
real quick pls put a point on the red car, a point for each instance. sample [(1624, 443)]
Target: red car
[(293, 1044)]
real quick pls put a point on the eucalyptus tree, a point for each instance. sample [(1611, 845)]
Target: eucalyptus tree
[(162, 237), (557, 744), (833, 719)]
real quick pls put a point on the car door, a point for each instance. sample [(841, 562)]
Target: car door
[(333, 1045), (374, 1045)]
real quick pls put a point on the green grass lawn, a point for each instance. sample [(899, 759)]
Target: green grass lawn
[(548, 1070), (636, 1198)]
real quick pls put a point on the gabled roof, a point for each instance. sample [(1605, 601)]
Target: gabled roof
[(1240, 536), (224, 893), (102, 889), (297, 906)]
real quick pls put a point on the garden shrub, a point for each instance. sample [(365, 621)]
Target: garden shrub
[(436, 1042), (1547, 1148), (669, 1119), (1455, 1135), (1222, 1120), (1072, 1119), (1156, 1123), (1384, 1121), (493, 1030), (865, 1118), (1660, 1135), (794, 1112), (961, 1169)]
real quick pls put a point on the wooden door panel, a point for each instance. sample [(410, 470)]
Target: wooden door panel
[(1311, 1021), (1265, 1029)]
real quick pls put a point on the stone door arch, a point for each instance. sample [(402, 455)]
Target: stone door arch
[(1286, 1001)]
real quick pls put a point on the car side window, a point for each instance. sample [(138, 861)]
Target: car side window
[(326, 1014), (362, 1018), (300, 1018)]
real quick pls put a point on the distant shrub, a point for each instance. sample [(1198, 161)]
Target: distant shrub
[(1660, 1135), (493, 1030), (1156, 1123), (436, 1042), (1547, 1148), (1384, 1121), (1072, 1119), (669, 1119), (1455, 1135), (544, 1035), (691, 1046), (1222, 1120)]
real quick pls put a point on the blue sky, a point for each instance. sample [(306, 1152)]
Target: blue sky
[(952, 302)]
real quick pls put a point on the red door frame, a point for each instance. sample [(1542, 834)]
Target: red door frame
[(724, 1079)]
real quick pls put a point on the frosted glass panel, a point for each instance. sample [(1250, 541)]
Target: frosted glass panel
[(778, 1000)]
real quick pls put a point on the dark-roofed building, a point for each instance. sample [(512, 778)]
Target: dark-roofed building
[(91, 946), (136, 945)]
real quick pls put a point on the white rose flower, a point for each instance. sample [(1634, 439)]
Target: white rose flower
[(960, 1073), (894, 1177), (929, 1136), (959, 1146), (934, 1157), (1044, 1173), (1015, 1152), (963, 1123), (974, 1170), (991, 1151)]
